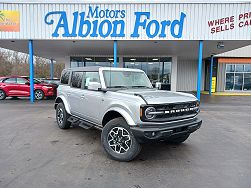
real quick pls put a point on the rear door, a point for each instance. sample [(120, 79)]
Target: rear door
[(10, 86), (75, 93)]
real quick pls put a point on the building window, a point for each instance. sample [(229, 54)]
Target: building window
[(87, 61), (158, 69), (238, 77), (76, 62)]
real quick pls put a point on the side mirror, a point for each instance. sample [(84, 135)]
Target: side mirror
[(27, 83), (96, 86)]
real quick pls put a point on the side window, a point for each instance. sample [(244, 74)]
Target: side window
[(76, 79), (90, 77), (65, 77), (21, 81), (10, 80)]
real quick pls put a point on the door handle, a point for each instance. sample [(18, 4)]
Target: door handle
[(82, 97), (68, 94)]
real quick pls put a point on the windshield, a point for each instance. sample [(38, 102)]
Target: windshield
[(36, 81), (126, 79)]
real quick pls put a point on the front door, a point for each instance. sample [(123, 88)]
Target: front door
[(23, 88), (91, 100), (207, 75)]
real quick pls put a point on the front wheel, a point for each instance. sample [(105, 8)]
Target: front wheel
[(118, 140), (39, 94)]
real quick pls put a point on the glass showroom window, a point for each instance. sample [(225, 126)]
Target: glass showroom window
[(158, 69), (238, 77), (76, 62), (92, 61)]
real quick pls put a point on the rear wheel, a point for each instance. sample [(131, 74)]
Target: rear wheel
[(2, 95), (62, 116), (179, 140), (118, 140), (39, 94)]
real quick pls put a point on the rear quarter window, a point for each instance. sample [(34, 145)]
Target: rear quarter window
[(10, 80), (65, 77)]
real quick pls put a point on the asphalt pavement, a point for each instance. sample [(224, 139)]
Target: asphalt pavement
[(35, 153)]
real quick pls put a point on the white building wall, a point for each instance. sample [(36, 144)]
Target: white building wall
[(174, 76), (187, 71), (65, 60), (196, 27), (240, 52)]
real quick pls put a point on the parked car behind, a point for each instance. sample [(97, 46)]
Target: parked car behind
[(17, 86), (54, 81)]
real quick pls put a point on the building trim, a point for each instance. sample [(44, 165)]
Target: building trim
[(235, 60), (124, 2)]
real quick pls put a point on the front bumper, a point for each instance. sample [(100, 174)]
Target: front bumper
[(155, 132), (50, 92)]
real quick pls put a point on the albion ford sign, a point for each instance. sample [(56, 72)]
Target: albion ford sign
[(96, 22)]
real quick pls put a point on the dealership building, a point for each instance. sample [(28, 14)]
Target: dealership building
[(180, 44)]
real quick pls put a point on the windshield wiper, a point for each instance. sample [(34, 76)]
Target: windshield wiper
[(117, 87), (141, 87)]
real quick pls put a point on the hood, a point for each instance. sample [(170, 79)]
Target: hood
[(154, 96)]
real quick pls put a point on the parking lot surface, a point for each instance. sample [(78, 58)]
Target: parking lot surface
[(34, 152)]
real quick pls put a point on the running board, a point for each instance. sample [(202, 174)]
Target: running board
[(85, 125), (82, 123), (73, 119)]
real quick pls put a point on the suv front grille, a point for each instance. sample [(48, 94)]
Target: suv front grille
[(175, 110), (172, 112)]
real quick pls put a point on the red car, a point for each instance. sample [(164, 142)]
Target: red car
[(17, 86)]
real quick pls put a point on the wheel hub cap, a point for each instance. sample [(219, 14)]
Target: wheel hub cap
[(38, 95), (1, 94), (60, 116), (119, 140)]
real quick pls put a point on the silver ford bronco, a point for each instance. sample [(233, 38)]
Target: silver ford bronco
[(123, 104)]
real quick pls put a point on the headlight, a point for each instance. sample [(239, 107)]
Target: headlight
[(150, 113)]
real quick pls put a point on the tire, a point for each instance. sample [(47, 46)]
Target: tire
[(62, 116), (122, 147), (179, 140), (2, 94), (39, 94)]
